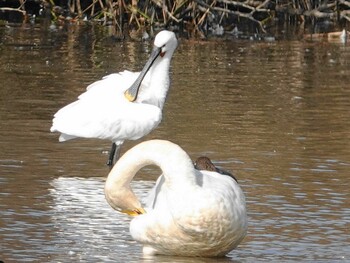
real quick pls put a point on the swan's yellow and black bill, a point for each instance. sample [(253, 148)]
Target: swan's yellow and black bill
[(134, 212), (132, 92)]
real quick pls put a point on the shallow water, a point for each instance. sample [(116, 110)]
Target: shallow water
[(274, 113)]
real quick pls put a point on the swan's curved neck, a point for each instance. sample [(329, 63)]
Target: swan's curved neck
[(174, 162)]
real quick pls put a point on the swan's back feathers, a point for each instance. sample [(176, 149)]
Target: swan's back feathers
[(218, 223)]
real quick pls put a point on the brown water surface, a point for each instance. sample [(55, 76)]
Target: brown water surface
[(275, 114)]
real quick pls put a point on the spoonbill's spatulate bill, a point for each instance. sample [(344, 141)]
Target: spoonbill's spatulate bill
[(121, 106), (188, 212)]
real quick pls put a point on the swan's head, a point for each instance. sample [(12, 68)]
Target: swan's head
[(123, 199), (165, 44)]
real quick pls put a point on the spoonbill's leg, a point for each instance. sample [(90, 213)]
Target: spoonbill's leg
[(113, 154)]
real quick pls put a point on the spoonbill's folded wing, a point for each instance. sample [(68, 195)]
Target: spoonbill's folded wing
[(103, 112)]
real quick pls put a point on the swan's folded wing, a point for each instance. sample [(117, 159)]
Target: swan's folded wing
[(220, 200)]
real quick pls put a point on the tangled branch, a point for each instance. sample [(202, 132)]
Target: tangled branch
[(196, 15)]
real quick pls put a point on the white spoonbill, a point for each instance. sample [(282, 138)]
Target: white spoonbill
[(121, 106), (188, 212)]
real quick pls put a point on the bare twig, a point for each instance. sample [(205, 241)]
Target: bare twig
[(235, 13), (166, 11), (344, 2), (345, 14), (13, 9), (206, 13)]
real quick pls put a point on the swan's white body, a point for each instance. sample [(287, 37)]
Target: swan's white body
[(188, 212), (104, 112)]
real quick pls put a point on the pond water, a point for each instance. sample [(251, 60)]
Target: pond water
[(276, 114)]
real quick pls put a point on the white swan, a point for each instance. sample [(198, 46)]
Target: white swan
[(122, 106), (188, 212)]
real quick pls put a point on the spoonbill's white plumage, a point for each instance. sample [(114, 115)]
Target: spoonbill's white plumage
[(188, 212), (121, 106)]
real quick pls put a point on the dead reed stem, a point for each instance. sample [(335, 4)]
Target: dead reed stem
[(200, 15)]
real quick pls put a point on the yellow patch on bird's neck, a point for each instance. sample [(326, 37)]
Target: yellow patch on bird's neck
[(134, 212)]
